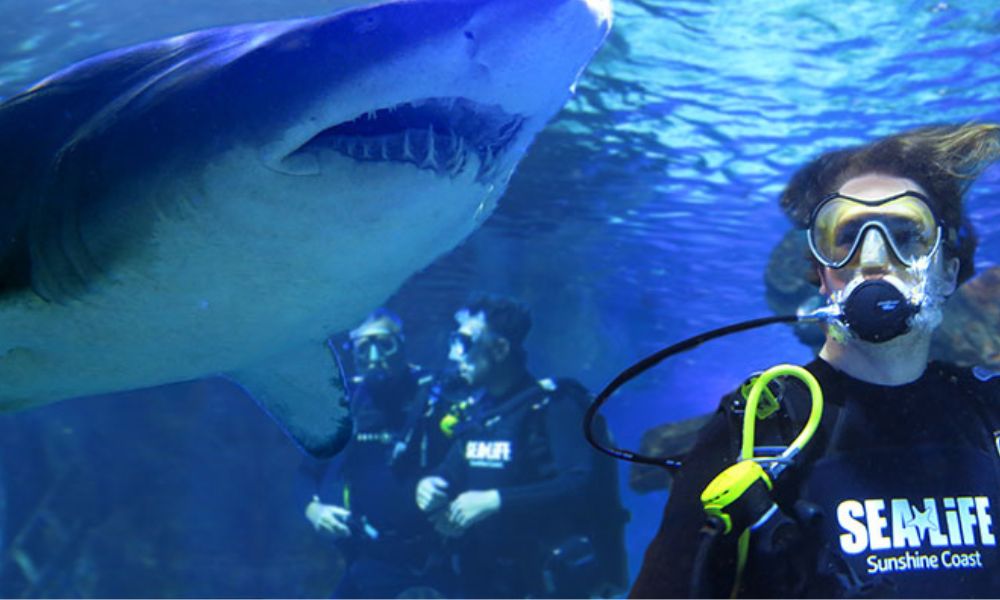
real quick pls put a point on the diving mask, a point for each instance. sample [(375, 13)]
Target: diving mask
[(459, 345), (839, 223), (372, 349), (470, 330)]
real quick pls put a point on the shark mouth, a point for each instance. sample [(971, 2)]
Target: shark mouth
[(439, 135)]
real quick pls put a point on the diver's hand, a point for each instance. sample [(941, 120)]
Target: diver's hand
[(472, 507), (329, 518), (443, 525), (431, 493)]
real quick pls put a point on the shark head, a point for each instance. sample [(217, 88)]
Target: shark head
[(392, 126), (222, 201), (416, 114), (450, 88)]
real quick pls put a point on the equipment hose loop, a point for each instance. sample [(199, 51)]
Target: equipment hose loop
[(649, 362)]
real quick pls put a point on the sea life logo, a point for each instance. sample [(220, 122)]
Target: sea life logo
[(492, 454), (934, 533)]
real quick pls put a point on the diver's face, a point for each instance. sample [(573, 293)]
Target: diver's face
[(475, 350), (378, 356), (874, 259)]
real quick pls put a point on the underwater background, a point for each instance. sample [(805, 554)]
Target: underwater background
[(645, 213)]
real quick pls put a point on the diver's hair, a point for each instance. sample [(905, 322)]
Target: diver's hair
[(504, 316), (393, 323), (944, 159)]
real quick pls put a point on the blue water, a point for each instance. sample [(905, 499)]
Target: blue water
[(645, 213)]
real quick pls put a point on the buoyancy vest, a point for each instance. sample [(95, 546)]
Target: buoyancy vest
[(902, 486), (515, 448)]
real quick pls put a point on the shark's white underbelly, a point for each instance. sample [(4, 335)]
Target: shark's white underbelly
[(227, 275)]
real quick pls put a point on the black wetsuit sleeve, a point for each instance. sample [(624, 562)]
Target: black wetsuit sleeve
[(450, 468), (572, 461), (667, 567)]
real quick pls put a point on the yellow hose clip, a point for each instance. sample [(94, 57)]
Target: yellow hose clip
[(730, 486), (453, 417), (753, 400)]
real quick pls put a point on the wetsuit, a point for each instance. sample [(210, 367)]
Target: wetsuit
[(896, 496), (528, 446), (396, 441)]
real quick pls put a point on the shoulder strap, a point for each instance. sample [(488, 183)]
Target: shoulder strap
[(512, 404), (422, 397), (413, 437)]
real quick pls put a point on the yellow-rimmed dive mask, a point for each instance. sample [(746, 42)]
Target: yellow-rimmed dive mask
[(839, 224)]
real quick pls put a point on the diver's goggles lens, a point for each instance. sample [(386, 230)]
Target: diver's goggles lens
[(460, 343), (839, 224), (376, 346)]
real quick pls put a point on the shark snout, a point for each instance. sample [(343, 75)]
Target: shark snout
[(449, 87), (602, 10), (530, 53)]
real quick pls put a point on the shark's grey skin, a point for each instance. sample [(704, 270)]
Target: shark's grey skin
[(221, 202)]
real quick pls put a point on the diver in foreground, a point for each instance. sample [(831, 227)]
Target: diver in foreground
[(894, 483)]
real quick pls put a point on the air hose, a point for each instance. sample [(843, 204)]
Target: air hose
[(739, 498), (648, 363)]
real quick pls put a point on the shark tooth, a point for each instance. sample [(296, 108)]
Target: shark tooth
[(406, 145), (458, 157), (459, 165), (429, 160)]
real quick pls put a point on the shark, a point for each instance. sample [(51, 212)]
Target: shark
[(220, 202)]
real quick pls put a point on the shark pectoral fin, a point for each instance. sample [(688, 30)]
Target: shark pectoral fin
[(304, 391)]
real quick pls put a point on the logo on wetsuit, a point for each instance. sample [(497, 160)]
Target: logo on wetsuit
[(943, 532), (493, 454)]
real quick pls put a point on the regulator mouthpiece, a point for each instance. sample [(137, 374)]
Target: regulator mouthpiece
[(877, 312)]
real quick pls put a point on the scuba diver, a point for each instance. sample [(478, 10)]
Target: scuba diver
[(389, 546), (894, 488), (532, 510)]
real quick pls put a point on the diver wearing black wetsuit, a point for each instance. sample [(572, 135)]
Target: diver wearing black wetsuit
[(367, 505), (527, 446), (515, 483), (896, 494), (902, 489), (392, 546)]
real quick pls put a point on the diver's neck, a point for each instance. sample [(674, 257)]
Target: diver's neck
[(896, 362)]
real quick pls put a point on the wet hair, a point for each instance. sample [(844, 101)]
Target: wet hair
[(944, 159), (506, 317)]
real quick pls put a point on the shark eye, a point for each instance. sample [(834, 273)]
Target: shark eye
[(366, 23)]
